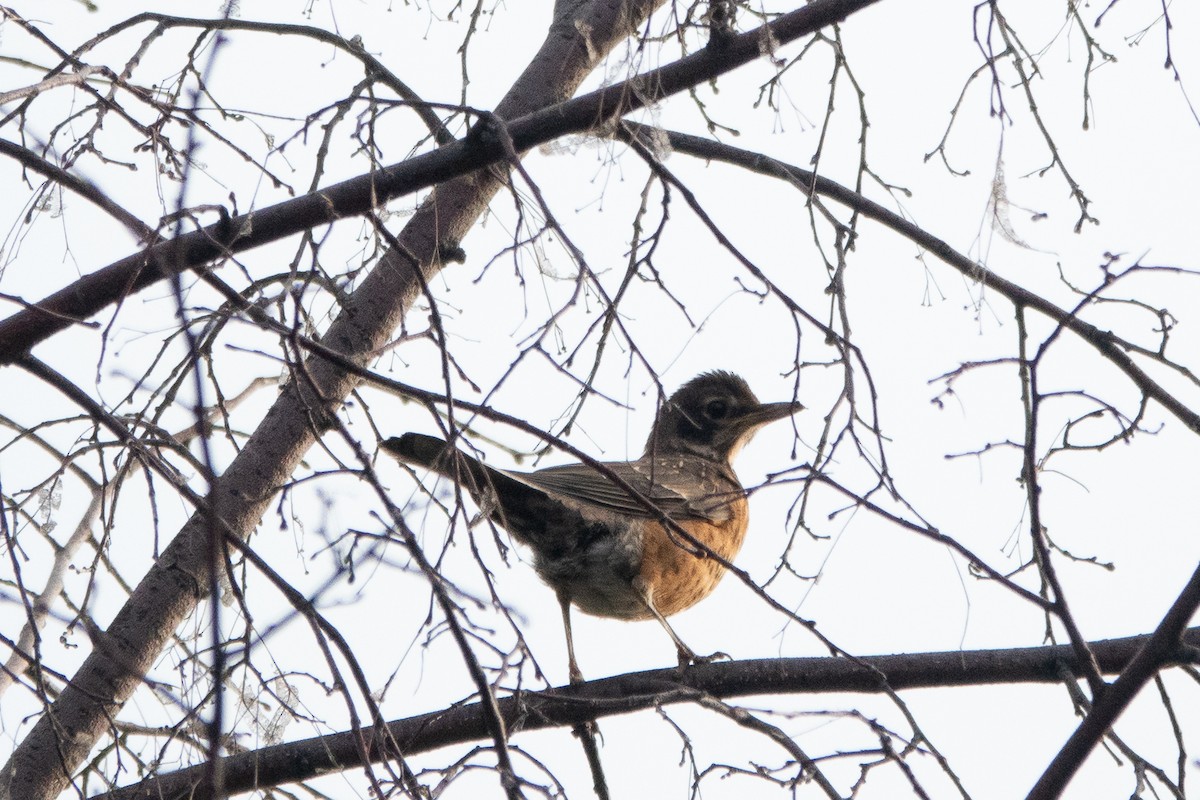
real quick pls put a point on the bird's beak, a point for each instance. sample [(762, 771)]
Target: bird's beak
[(743, 429), (767, 412)]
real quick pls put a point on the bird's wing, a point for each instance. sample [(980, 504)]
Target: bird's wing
[(681, 489), (670, 491)]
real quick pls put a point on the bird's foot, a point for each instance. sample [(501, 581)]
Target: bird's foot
[(687, 658)]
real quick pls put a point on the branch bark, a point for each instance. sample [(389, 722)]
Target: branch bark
[(44, 762), (623, 694), (527, 126)]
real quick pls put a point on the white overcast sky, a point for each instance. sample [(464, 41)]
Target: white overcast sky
[(880, 590)]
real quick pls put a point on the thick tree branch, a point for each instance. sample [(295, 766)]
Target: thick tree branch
[(92, 293), (44, 762), (623, 694)]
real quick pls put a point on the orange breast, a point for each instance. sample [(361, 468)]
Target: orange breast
[(676, 579)]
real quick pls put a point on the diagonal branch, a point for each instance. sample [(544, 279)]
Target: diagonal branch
[(1112, 700), (1157, 651), (528, 128), (43, 763), (1108, 344)]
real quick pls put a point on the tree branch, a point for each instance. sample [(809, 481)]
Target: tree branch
[(44, 762), (1158, 649), (623, 694), (92, 293), (1108, 344)]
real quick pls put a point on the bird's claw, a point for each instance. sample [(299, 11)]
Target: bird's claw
[(688, 658)]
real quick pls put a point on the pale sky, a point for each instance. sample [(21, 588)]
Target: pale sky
[(880, 589)]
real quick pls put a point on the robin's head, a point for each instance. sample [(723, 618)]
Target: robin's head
[(713, 415)]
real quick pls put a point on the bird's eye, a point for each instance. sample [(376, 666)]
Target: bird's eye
[(716, 409)]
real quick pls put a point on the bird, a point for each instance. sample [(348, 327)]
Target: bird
[(615, 553)]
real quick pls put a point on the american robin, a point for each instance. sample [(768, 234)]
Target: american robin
[(606, 550)]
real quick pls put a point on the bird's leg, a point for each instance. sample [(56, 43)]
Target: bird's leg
[(586, 731), (573, 672), (687, 656)]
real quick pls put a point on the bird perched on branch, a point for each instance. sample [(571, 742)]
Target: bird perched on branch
[(630, 540)]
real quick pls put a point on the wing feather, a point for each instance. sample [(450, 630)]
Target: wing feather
[(585, 484)]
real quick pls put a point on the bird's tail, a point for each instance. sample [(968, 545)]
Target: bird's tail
[(436, 454), (419, 450), (525, 511)]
